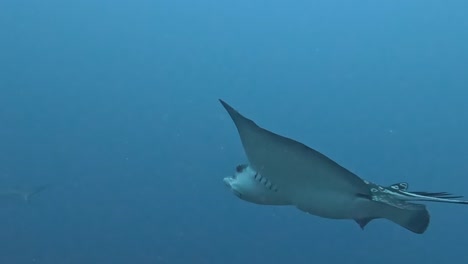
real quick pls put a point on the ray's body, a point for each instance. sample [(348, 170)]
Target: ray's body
[(292, 173)]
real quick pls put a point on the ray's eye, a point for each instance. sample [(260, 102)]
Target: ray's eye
[(241, 168)]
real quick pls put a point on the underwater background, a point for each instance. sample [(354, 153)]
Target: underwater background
[(113, 106)]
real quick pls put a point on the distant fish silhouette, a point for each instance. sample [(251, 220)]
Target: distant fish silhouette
[(24, 194)]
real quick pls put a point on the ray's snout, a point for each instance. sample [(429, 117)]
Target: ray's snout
[(227, 182)]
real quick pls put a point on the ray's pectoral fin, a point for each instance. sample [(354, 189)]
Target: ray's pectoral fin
[(364, 221), (413, 217)]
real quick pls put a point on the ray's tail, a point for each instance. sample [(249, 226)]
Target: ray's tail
[(400, 191), (441, 197)]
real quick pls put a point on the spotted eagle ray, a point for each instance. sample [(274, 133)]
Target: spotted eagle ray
[(283, 171)]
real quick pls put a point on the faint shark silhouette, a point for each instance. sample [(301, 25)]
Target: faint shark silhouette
[(23, 194)]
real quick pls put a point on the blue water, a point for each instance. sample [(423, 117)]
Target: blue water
[(113, 105)]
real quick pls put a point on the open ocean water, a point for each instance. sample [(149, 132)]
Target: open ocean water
[(112, 106)]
